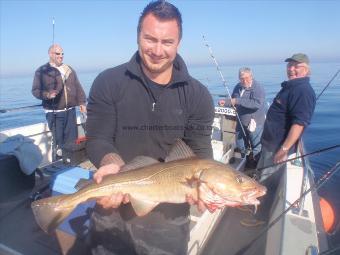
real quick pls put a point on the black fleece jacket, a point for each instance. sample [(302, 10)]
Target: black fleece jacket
[(124, 117)]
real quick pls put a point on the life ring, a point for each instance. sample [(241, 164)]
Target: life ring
[(328, 215)]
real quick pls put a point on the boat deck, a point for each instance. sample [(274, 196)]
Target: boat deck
[(230, 236), (19, 234)]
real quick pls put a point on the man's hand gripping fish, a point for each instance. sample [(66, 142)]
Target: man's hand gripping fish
[(149, 183)]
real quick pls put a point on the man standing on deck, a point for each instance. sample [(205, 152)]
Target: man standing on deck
[(57, 85), (141, 108), (248, 98), (288, 116), (290, 113)]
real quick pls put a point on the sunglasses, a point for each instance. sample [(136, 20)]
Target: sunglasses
[(59, 53)]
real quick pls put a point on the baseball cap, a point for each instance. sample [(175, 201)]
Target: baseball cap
[(298, 57)]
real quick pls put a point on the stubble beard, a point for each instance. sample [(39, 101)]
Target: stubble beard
[(154, 69)]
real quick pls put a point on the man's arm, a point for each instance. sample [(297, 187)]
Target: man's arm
[(101, 121), (294, 134), (38, 88), (100, 147), (301, 108), (80, 93), (198, 127), (252, 103), (230, 102)]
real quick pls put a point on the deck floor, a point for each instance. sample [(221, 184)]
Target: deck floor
[(230, 236), (20, 233)]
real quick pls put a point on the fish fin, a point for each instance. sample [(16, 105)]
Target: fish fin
[(142, 207), (179, 150), (191, 182), (82, 183), (48, 212), (138, 162)]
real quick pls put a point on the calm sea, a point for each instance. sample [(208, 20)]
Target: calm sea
[(323, 132)]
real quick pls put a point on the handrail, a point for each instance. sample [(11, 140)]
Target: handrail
[(301, 204), (19, 108)]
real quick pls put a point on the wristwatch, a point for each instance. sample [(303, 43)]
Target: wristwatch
[(284, 148)]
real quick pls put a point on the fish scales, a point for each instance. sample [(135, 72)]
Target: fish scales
[(216, 184), (154, 182)]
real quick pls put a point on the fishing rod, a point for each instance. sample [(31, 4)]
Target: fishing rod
[(335, 75), (54, 126), (313, 188), (330, 251), (257, 170), (19, 108), (226, 86), (217, 65), (218, 95)]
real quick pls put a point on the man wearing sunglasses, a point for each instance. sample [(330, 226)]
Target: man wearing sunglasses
[(57, 85)]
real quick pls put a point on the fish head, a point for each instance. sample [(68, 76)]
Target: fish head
[(220, 185)]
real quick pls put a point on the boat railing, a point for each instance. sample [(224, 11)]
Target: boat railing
[(306, 173), (305, 168)]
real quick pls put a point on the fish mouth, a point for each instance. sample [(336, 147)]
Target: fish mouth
[(250, 197)]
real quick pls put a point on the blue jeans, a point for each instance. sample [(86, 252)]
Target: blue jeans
[(254, 138), (63, 126)]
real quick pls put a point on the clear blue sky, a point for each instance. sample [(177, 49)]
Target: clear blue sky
[(99, 34)]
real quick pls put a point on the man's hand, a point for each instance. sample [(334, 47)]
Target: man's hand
[(82, 108), (200, 204), (52, 94), (114, 200), (221, 102), (280, 156), (233, 101), (227, 102), (293, 136)]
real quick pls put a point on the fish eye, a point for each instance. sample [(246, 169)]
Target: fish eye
[(239, 178)]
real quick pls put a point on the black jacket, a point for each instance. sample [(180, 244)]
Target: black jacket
[(121, 117)]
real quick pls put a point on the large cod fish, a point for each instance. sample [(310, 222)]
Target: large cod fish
[(149, 182)]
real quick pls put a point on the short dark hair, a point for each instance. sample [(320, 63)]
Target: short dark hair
[(163, 11)]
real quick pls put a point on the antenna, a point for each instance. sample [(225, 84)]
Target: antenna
[(53, 31)]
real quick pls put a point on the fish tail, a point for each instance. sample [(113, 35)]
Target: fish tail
[(50, 212)]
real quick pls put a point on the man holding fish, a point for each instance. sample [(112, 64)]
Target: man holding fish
[(148, 128), (140, 108)]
